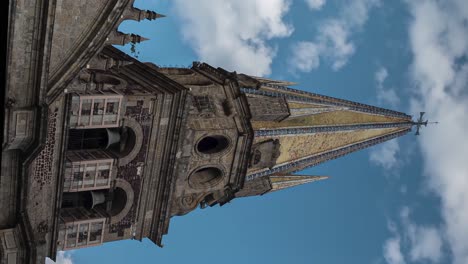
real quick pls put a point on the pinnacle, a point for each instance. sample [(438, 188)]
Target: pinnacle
[(279, 182)]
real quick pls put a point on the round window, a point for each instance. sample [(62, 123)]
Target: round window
[(205, 177), (212, 144)]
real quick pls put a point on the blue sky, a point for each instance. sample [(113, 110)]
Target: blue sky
[(405, 201)]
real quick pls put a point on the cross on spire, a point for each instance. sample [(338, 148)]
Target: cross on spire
[(420, 122)]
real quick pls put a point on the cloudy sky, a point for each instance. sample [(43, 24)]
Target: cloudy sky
[(405, 201)]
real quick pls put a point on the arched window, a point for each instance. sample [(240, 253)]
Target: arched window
[(212, 144)]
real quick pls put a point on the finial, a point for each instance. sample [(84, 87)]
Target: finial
[(139, 15), (151, 15), (420, 122), (119, 38)]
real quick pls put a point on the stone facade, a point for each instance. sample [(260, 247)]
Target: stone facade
[(98, 146)]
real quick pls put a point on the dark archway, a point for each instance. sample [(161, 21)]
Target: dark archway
[(86, 199), (98, 138), (212, 144), (119, 201)]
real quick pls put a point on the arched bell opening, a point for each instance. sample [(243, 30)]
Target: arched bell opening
[(84, 216), (113, 203), (98, 138), (212, 144), (118, 141), (205, 177), (88, 200), (126, 143)]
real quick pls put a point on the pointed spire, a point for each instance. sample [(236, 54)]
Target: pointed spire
[(134, 13), (302, 161), (263, 185), (274, 82), (299, 96), (280, 182)]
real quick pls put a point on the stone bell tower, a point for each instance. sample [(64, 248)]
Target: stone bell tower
[(284, 131), (99, 147)]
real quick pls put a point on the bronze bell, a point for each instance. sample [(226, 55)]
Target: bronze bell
[(113, 137)]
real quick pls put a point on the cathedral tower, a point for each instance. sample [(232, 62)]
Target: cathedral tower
[(100, 147)]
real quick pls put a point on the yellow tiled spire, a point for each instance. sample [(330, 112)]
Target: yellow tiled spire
[(280, 182), (315, 128)]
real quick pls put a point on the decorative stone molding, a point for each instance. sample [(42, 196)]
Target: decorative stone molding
[(10, 247), (20, 132)]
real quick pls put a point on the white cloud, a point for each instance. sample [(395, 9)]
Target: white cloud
[(234, 34), (425, 241), (385, 154), (333, 42), (305, 56), (440, 47), (392, 251), (334, 39), (385, 95), (381, 75), (427, 245), (62, 258), (315, 4), (422, 243)]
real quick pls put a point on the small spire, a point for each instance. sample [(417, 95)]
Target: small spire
[(420, 122), (274, 82), (280, 182), (137, 38), (151, 15), (134, 13)]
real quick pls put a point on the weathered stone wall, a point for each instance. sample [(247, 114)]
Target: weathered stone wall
[(205, 118), (66, 38), (265, 108), (210, 114), (8, 188), (264, 154), (258, 186), (44, 175)]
